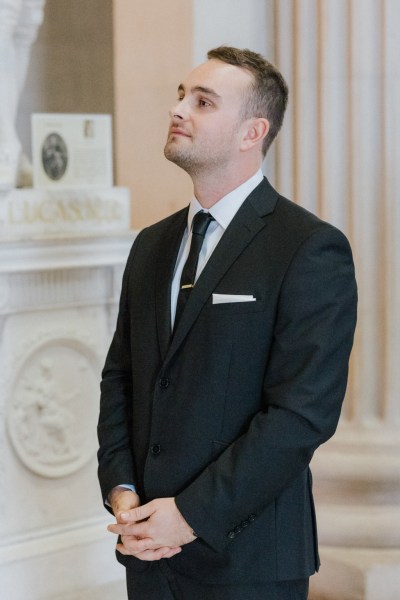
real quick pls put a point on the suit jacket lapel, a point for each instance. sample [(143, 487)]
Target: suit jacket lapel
[(167, 257), (242, 229)]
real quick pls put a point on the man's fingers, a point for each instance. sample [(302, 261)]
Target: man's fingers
[(138, 530), (136, 546), (149, 555), (137, 514), (172, 552)]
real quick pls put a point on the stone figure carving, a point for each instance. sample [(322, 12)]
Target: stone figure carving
[(19, 23), (46, 426), (51, 409)]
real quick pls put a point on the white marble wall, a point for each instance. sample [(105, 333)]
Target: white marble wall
[(58, 302)]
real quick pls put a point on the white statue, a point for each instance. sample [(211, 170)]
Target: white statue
[(19, 23)]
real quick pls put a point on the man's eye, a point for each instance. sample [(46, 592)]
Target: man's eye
[(203, 102)]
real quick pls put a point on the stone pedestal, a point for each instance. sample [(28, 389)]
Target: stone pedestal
[(349, 573), (58, 303), (357, 489)]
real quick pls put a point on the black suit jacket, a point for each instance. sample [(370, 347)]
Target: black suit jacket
[(227, 414)]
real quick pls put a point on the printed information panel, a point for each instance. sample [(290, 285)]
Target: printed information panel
[(71, 150)]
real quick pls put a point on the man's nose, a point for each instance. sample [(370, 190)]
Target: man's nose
[(178, 112)]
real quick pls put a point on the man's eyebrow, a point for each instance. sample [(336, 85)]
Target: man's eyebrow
[(200, 88)]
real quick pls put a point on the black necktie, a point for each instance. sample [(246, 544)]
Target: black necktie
[(201, 221)]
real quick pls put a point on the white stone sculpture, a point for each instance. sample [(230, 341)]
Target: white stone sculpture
[(51, 407), (19, 23)]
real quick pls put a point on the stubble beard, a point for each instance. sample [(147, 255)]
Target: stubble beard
[(183, 158), (195, 165)]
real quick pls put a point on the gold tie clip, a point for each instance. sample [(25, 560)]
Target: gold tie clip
[(188, 285)]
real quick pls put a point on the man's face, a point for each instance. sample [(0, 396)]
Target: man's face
[(205, 128)]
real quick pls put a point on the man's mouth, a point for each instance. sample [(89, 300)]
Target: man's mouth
[(178, 131)]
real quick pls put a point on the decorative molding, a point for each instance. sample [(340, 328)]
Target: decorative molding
[(56, 295), (52, 540), (51, 415), (38, 290), (44, 334), (61, 252)]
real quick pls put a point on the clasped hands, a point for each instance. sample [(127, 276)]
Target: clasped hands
[(149, 532)]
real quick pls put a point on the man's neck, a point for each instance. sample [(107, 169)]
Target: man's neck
[(212, 187)]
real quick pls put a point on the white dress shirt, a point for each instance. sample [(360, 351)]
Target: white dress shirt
[(223, 212)]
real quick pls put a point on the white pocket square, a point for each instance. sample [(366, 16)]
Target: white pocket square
[(224, 298)]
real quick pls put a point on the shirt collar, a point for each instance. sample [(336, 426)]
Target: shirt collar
[(225, 209)]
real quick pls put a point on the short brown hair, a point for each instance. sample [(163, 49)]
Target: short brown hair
[(270, 92)]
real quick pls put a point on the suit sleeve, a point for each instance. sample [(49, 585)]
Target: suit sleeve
[(304, 386), (114, 425)]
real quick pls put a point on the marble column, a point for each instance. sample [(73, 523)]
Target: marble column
[(339, 155)]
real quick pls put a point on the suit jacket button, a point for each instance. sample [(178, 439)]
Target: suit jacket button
[(237, 529), (244, 523), (231, 535), (164, 383), (155, 449), (251, 518)]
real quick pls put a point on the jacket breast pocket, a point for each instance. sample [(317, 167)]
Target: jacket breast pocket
[(235, 308)]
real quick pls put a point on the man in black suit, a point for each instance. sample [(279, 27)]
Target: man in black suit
[(229, 361)]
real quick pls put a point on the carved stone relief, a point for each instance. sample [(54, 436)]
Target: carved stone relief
[(52, 288), (53, 409)]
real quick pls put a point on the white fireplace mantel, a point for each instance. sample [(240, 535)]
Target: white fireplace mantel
[(58, 303)]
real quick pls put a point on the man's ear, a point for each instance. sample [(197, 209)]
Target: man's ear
[(255, 131)]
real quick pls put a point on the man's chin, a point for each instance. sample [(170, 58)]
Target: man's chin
[(171, 153)]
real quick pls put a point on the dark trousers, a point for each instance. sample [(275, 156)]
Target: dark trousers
[(158, 582)]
